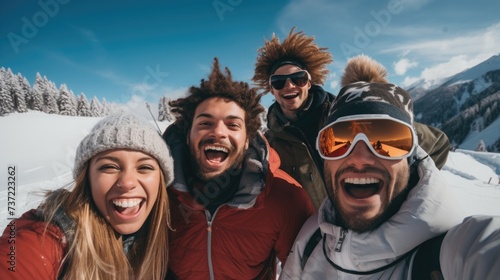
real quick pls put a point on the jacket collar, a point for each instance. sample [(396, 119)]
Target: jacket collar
[(317, 97)]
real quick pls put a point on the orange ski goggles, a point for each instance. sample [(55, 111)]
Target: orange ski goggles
[(387, 137)]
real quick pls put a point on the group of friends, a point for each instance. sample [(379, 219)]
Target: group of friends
[(336, 187)]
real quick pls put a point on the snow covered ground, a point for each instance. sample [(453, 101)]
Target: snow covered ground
[(41, 148)]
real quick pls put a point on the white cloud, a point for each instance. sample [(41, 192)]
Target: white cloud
[(337, 18), (175, 93), (113, 77), (318, 13), (334, 85), (137, 102), (449, 56), (403, 65), (148, 89), (205, 68), (454, 65), (446, 69), (413, 4), (153, 93), (483, 42), (333, 82), (88, 34), (54, 55), (409, 80)]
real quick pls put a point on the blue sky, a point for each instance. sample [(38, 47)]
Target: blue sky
[(119, 49)]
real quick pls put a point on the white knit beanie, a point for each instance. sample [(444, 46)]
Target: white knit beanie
[(124, 131)]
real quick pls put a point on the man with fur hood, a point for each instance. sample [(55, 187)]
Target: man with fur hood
[(233, 210), (294, 71), (386, 197)]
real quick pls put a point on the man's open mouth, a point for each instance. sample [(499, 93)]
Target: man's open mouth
[(290, 95), (216, 153), (362, 187)]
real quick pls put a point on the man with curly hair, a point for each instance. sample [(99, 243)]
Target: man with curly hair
[(293, 71), (233, 210)]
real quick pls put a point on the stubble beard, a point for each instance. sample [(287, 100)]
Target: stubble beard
[(211, 175), (357, 222)]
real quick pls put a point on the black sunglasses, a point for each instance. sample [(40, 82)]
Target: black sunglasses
[(300, 79)]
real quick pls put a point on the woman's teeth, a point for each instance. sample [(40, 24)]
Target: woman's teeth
[(127, 203)]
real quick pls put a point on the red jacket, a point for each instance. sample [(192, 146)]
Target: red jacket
[(243, 237), (30, 249)]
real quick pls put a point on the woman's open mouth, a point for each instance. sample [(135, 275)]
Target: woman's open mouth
[(129, 206)]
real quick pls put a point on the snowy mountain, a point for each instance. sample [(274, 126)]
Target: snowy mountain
[(476, 73), (41, 149), (465, 106), (422, 86)]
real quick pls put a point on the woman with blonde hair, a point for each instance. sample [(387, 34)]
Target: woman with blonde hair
[(113, 224)]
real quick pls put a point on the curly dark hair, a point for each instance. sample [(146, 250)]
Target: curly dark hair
[(296, 47), (223, 86)]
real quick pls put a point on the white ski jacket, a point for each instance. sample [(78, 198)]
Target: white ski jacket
[(429, 211)]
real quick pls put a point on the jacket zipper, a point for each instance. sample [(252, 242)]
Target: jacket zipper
[(340, 242), (210, 219)]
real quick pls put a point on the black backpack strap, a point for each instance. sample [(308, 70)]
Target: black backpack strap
[(311, 244), (426, 262)]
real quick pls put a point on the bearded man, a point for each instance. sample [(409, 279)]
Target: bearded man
[(234, 212), (389, 213)]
